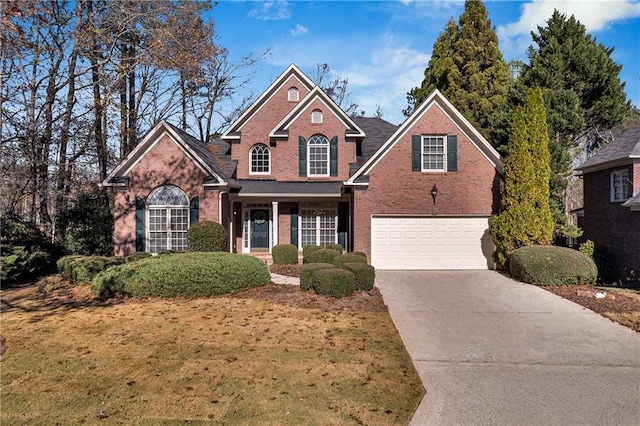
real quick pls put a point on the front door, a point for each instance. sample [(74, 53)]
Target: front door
[(260, 228)]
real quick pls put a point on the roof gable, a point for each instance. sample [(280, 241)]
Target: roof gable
[(233, 131), (192, 147), (435, 100), (353, 130), (623, 148)]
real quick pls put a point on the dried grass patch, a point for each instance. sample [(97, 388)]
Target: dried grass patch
[(237, 360)]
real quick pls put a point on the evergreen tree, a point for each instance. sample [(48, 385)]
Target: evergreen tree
[(525, 216), (468, 68), (582, 91)]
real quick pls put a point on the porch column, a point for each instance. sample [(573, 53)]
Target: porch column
[(274, 240)]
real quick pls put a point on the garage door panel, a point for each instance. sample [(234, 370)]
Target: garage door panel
[(430, 243)]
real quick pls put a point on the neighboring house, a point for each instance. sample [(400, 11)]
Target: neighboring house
[(612, 202), (294, 168)]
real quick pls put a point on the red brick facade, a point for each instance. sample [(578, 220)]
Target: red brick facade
[(614, 229)]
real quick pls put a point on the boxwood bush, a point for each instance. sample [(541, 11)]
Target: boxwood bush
[(365, 274), (189, 275), (335, 282), (207, 236), (82, 269), (360, 253), (309, 252), (551, 265), (307, 274), (325, 255), (336, 247), (348, 258), (285, 254)]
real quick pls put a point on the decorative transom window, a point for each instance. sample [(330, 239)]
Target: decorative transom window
[(293, 94), (260, 159), (168, 219), (433, 153), (620, 185), (318, 155), (318, 225), (316, 116)]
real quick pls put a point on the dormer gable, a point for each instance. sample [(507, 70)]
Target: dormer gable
[(307, 107), (292, 80)]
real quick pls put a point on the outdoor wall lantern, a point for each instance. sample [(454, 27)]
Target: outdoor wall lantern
[(434, 192)]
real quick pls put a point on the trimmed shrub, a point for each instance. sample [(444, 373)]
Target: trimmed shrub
[(365, 275), (133, 257), (207, 236), (309, 253), (336, 283), (188, 275), (285, 254), (64, 264), (360, 253), (307, 274), (82, 269), (336, 247), (348, 258), (551, 265), (325, 255)]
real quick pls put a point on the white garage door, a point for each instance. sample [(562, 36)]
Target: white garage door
[(430, 242)]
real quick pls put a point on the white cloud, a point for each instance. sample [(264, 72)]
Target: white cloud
[(299, 30), (594, 15), (271, 11)]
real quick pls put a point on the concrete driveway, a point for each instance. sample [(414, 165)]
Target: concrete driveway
[(492, 351)]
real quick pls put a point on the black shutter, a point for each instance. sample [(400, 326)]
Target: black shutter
[(194, 210), (416, 153), (140, 214), (333, 156), (302, 155), (294, 227), (452, 153)]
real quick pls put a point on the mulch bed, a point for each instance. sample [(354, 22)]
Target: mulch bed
[(586, 296), (288, 270)]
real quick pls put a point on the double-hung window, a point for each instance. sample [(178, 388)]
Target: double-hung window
[(168, 213), (433, 153), (620, 185), (318, 225), (318, 156)]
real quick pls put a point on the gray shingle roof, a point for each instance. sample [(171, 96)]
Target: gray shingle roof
[(627, 145), (378, 132), (273, 187)]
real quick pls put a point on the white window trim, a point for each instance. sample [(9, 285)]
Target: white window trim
[(325, 146), (293, 94), (167, 209), (444, 154), (317, 117), (251, 172), (623, 176), (329, 207)]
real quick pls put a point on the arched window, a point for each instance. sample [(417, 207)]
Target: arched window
[(293, 94), (168, 219), (316, 116), (260, 159), (318, 155)]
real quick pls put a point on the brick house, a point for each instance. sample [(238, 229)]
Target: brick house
[(612, 202), (294, 168)]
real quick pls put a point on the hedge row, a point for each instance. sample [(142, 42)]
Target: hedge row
[(81, 269), (193, 274), (329, 272)]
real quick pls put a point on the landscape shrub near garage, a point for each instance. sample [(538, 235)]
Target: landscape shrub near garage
[(307, 274), (309, 252), (335, 282), (336, 247), (81, 269), (285, 254), (348, 258), (325, 255), (365, 275), (192, 274), (551, 265)]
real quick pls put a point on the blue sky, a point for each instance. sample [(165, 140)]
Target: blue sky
[(383, 47)]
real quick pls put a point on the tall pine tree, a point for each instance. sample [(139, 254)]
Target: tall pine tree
[(525, 217), (468, 68), (583, 93)]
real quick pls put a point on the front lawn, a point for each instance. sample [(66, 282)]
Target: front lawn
[(274, 355)]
